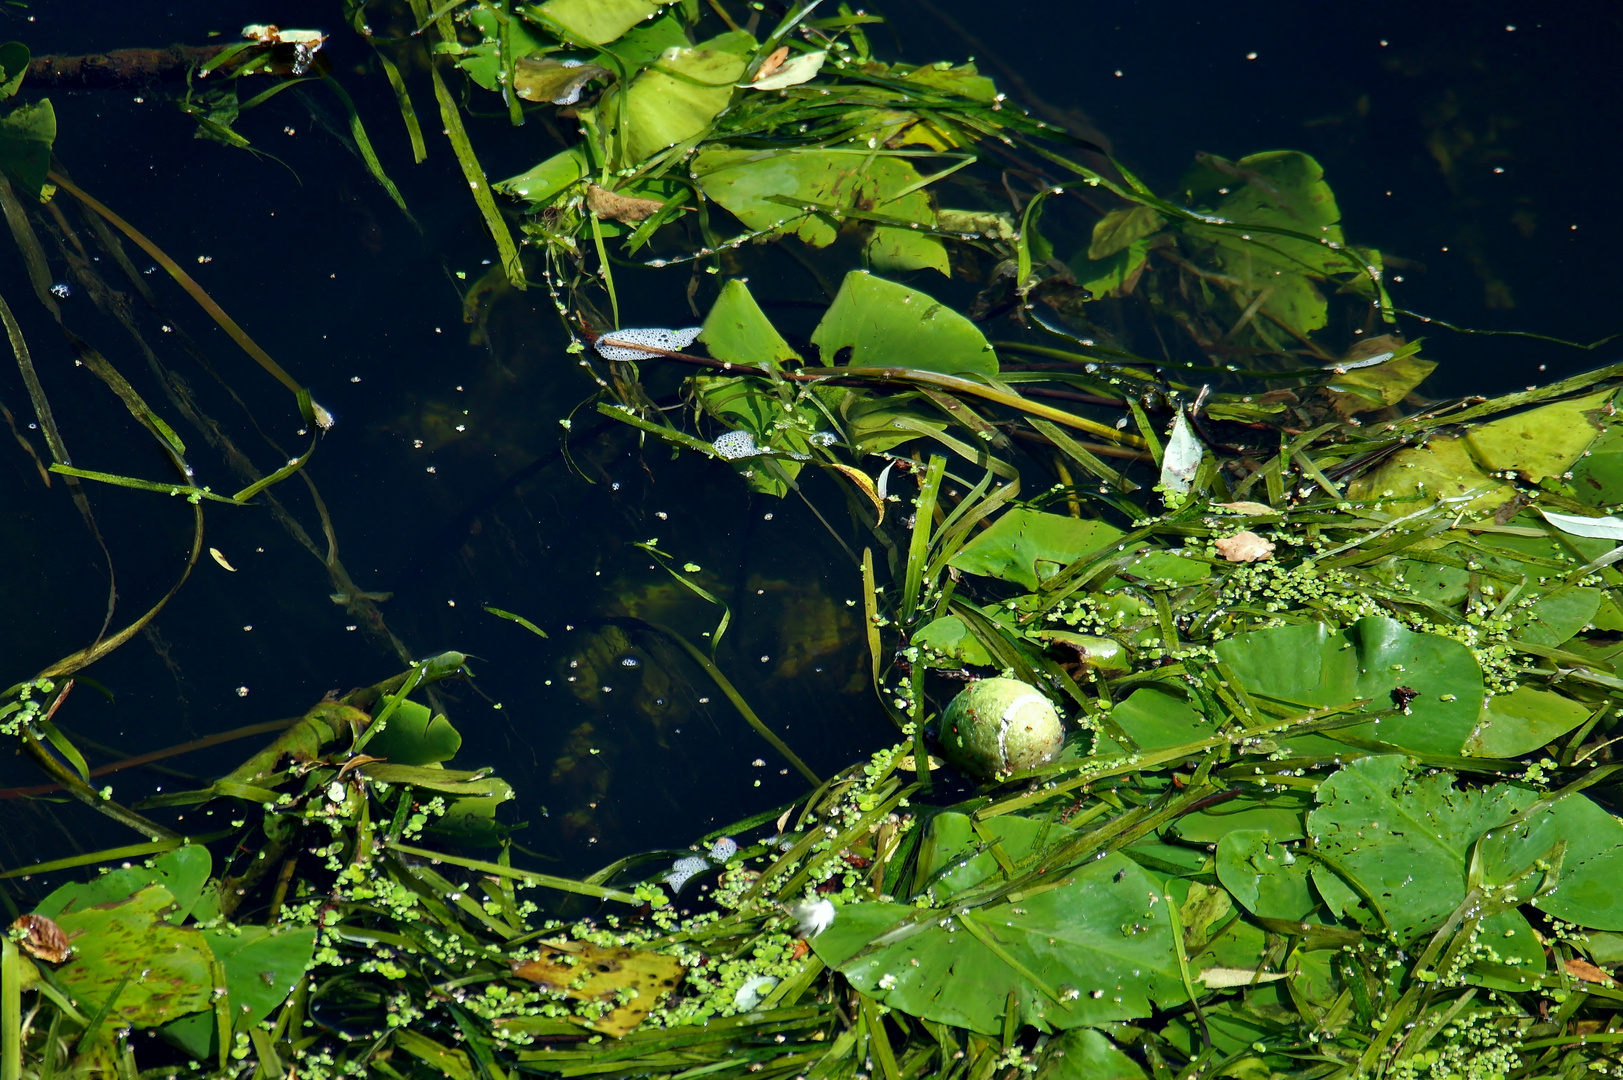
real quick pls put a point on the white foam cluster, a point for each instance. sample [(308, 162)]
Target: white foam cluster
[(723, 849), (683, 870), (615, 344), (737, 444)]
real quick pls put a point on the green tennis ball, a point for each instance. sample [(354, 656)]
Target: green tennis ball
[(1000, 726)]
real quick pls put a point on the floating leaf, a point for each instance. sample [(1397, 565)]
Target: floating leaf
[(628, 209), (1313, 665), (541, 184), (1085, 1054), (26, 136), (1157, 720), (414, 735), (1556, 616), (596, 22), (951, 643), (1523, 720), (1539, 442), (262, 966), (623, 985), (1406, 838), (1265, 876), (1420, 475), (127, 946), (1027, 546), (679, 96), (1094, 949), (889, 325), (737, 331), (183, 872)]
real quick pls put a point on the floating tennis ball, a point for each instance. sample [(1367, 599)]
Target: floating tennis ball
[(1000, 726)]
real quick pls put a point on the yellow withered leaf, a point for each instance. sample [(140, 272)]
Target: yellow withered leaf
[(594, 973)]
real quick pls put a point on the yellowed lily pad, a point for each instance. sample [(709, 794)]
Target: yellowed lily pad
[(1540, 442), (1414, 477), (600, 976)]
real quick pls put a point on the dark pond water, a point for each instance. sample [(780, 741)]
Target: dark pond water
[(1477, 145)]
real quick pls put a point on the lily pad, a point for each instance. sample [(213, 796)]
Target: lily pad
[(1085, 1054), (1523, 720), (1540, 442), (1097, 948), (127, 946), (1406, 838), (679, 96), (1265, 876), (737, 331), (26, 136), (183, 872), (1159, 720), (1420, 475), (952, 643), (262, 966), (415, 736), (1589, 889), (1027, 546), (544, 182), (1312, 665), (596, 22), (1556, 617), (889, 325)]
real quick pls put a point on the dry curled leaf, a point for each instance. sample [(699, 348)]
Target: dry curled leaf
[(628, 209), (1244, 547), (42, 939)]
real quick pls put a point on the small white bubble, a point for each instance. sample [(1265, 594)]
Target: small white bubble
[(242, 691)]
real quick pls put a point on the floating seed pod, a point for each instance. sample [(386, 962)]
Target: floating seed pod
[(1000, 726)]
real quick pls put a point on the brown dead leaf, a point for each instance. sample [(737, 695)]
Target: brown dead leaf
[(593, 973), (772, 63), (1583, 969), (628, 209)]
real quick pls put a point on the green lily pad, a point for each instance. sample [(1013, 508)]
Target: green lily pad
[(737, 331), (1371, 388), (1027, 546), (679, 96), (1085, 1054), (952, 643), (1523, 720), (1556, 617), (1100, 943), (415, 736), (1265, 876), (127, 946), (262, 966), (1597, 478), (183, 872), (952, 836), (1313, 665), (1159, 720), (1117, 230), (889, 325), (1280, 816), (1589, 889)]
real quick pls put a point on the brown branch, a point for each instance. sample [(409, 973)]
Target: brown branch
[(121, 68)]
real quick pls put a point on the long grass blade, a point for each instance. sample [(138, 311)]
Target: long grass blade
[(528, 877), (357, 131)]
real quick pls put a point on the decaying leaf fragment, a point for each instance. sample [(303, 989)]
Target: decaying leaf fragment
[(1252, 508), (1244, 547), (1583, 969), (628, 209), (42, 938), (593, 973), (557, 81)]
